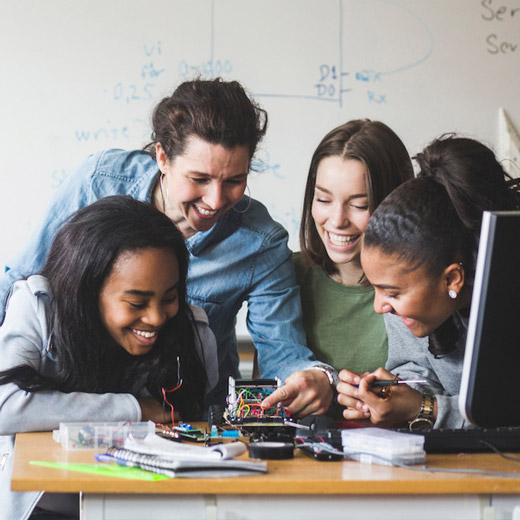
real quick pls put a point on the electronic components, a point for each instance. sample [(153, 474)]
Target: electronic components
[(96, 435), (244, 403), (244, 411)]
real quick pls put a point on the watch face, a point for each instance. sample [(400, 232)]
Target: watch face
[(421, 424), (330, 373), (333, 378)]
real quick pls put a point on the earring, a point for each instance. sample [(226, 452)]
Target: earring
[(452, 294), (248, 204)]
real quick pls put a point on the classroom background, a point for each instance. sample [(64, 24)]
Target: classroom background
[(82, 76)]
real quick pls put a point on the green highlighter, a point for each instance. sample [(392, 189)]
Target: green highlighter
[(108, 470)]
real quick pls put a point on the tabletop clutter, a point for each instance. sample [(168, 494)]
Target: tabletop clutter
[(242, 426)]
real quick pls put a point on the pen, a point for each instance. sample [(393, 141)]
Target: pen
[(105, 457), (393, 382)]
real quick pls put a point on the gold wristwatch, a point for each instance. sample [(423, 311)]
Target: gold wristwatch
[(424, 419)]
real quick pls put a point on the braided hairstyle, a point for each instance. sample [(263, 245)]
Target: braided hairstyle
[(434, 220)]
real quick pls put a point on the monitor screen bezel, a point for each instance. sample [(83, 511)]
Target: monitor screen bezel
[(474, 354)]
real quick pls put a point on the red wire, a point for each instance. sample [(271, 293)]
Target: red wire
[(164, 391)]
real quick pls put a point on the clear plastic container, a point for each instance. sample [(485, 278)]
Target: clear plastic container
[(92, 435), (379, 446)]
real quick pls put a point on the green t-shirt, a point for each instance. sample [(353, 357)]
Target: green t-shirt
[(341, 325)]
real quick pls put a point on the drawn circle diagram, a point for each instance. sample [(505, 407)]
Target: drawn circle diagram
[(382, 37)]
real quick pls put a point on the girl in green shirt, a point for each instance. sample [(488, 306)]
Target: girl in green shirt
[(352, 170)]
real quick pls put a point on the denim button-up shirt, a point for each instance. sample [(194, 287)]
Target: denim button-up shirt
[(243, 257)]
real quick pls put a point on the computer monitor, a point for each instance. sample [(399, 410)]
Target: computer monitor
[(490, 384)]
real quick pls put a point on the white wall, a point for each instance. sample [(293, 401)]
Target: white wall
[(80, 76)]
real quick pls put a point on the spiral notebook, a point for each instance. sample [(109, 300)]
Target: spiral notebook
[(180, 460)]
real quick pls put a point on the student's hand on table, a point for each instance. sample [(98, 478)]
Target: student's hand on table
[(151, 410), (399, 406), (304, 393)]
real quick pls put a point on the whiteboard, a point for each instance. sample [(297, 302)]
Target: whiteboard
[(81, 76)]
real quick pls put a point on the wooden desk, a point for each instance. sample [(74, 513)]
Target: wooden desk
[(302, 488)]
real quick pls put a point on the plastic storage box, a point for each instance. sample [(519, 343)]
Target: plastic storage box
[(91, 435), (379, 446)]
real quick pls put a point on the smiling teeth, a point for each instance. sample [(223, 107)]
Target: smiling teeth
[(144, 333), (205, 212), (342, 240)]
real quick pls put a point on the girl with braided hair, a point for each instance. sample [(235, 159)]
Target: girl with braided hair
[(419, 254)]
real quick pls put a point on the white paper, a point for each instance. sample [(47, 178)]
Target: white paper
[(153, 444)]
